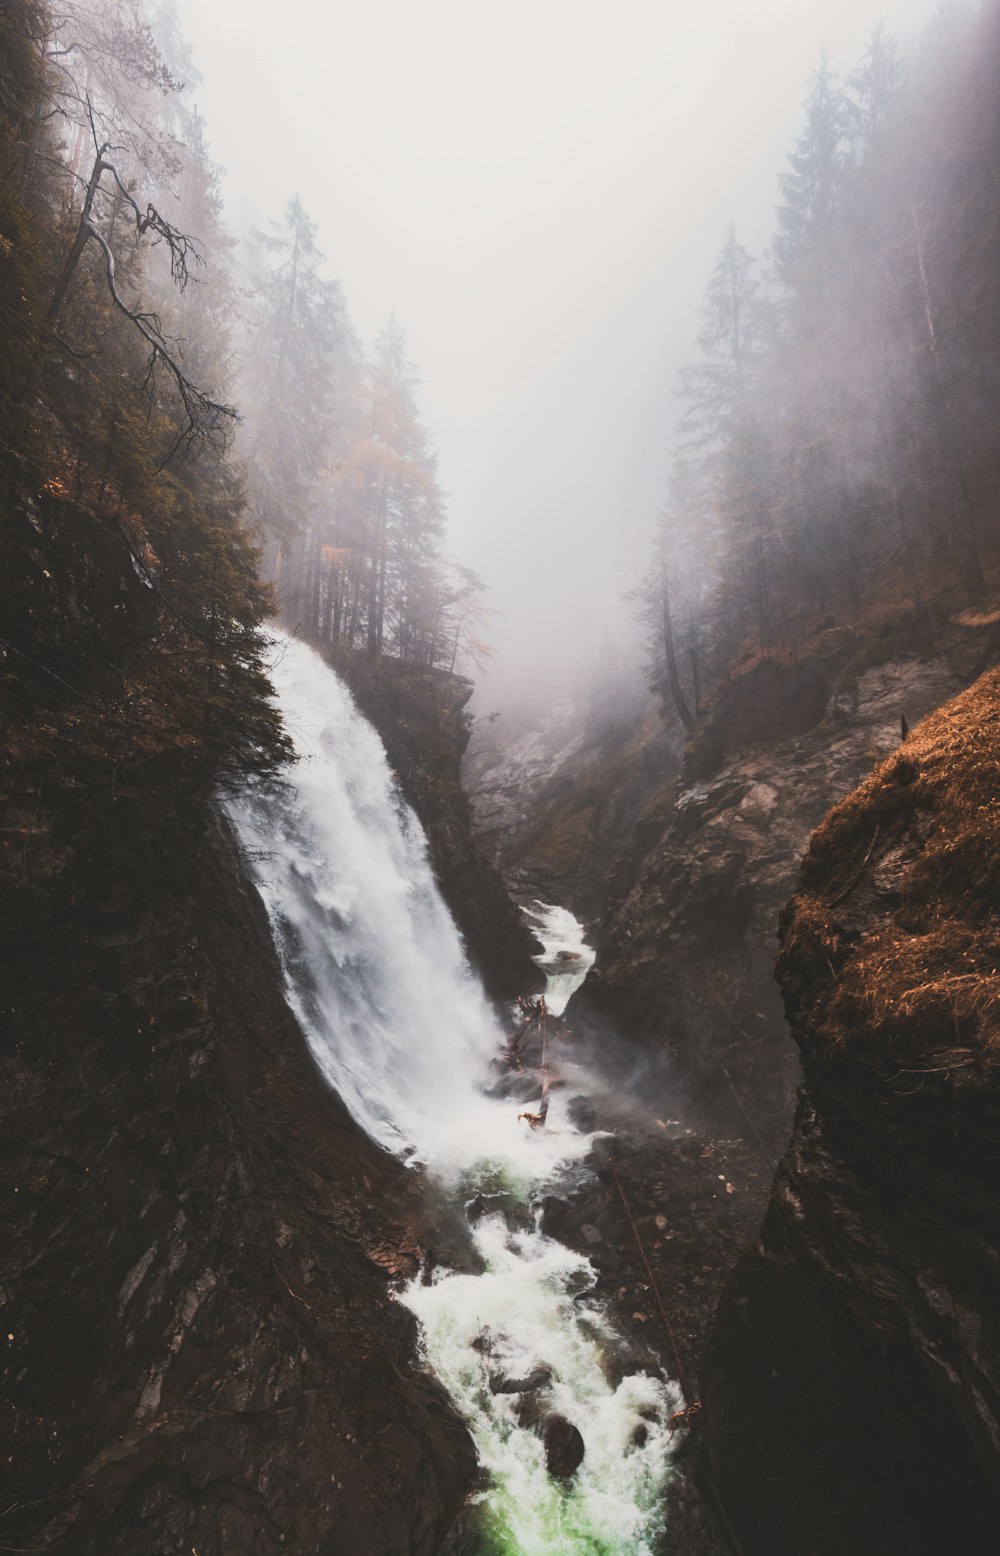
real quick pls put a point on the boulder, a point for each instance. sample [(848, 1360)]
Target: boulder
[(537, 1378), (564, 1447)]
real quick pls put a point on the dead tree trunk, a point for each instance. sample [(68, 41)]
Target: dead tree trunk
[(673, 679)]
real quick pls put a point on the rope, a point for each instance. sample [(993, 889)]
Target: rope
[(682, 1375), (543, 1029), (537, 1014), (767, 1155)]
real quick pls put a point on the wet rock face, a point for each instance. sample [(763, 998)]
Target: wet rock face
[(852, 1383), (203, 1351), (564, 1447), (555, 807), (685, 957), (538, 1378), (695, 1205)]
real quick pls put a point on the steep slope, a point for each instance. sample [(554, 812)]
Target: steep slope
[(200, 1347), (853, 1383), (561, 800), (560, 792), (685, 954), (197, 1238)]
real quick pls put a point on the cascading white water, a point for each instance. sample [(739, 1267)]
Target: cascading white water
[(566, 958), (376, 974)]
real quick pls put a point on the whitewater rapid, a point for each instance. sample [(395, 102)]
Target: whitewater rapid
[(376, 974)]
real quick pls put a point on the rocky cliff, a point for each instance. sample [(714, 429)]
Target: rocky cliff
[(686, 951), (685, 965), (683, 858), (560, 800), (852, 1398), (200, 1350)]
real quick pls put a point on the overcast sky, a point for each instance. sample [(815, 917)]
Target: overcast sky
[(532, 188)]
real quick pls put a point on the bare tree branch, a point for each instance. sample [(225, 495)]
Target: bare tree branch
[(206, 420), (183, 248)]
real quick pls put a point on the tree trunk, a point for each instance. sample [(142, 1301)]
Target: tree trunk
[(78, 245), (676, 691), (968, 553)]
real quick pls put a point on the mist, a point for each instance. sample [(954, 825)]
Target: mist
[(540, 205)]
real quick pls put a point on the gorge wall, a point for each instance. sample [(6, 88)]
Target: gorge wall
[(852, 1397), (683, 858), (197, 1239), (822, 1429), (200, 1347)]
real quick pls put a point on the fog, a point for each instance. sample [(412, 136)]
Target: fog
[(538, 194)]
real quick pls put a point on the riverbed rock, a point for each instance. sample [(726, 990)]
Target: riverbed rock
[(564, 1447), (537, 1378)]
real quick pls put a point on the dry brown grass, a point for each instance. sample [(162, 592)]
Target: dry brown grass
[(893, 939)]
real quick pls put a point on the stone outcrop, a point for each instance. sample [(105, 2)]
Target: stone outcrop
[(201, 1350), (686, 952), (555, 806), (564, 1447), (852, 1384)]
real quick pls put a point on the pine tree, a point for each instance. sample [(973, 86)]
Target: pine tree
[(125, 438), (873, 86), (288, 373), (812, 188), (724, 427)]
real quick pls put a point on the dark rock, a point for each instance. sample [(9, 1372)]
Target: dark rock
[(703, 756), (530, 1412), (771, 700), (855, 1360), (626, 1362), (196, 1264), (564, 1447), (514, 1211), (537, 1378), (582, 1114), (554, 1213)]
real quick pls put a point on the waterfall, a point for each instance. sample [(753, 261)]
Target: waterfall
[(376, 974), (374, 968)]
